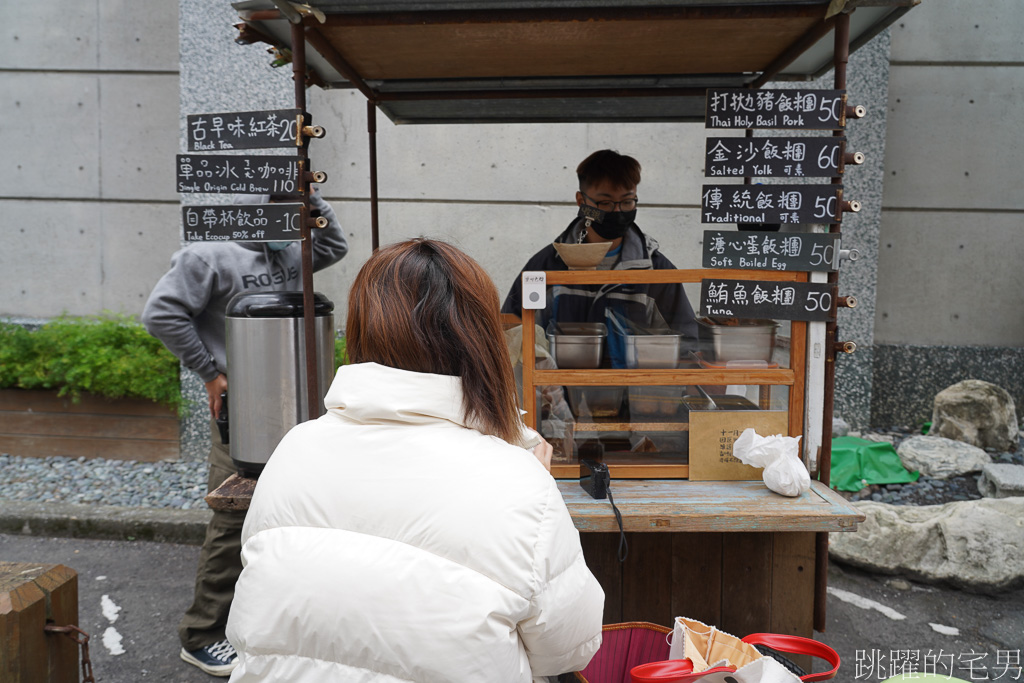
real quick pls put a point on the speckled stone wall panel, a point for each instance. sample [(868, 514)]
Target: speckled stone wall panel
[(218, 75), (906, 378), (194, 429), (867, 84)]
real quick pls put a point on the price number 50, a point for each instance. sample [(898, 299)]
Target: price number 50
[(818, 301), (829, 109), (824, 207)]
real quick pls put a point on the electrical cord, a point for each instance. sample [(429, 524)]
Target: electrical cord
[(596, 481), (623, 545)]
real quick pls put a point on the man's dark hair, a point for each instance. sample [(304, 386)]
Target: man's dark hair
[(607, 164)]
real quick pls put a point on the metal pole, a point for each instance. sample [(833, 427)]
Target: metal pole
[(748, 133), (371, 128), (842, 55), (308, 318)]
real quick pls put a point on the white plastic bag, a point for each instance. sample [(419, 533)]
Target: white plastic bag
[(709, 648), (779, 455)]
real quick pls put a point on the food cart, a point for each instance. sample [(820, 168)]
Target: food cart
[(727, 552)]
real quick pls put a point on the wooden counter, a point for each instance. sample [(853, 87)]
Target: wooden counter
[(729, 553), (674, 505), (665, 505)]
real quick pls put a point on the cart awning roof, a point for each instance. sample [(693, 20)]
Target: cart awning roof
[(501, 61)]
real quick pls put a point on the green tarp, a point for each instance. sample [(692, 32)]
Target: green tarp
[(859, 462)]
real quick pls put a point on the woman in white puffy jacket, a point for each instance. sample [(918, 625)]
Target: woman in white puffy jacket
[(409, 534)]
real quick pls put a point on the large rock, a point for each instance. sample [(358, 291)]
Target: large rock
[(940, 458), (976, 412), (1001, 480), (975, 545)]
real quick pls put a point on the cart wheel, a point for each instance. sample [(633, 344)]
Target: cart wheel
[(781, 659)]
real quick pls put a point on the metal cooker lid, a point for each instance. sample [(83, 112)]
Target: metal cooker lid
[(276, 305)]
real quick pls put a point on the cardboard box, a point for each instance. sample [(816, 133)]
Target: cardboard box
[(712, 433)]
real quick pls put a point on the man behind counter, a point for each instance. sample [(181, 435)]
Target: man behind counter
[(608, 181)]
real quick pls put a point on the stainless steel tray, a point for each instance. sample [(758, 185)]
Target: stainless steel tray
[(577, 345)]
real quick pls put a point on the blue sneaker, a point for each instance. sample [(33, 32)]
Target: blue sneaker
[(216, 659)]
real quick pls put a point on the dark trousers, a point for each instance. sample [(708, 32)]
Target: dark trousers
[(220, 562)]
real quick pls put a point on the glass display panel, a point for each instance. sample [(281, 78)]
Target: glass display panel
[(644, 424)]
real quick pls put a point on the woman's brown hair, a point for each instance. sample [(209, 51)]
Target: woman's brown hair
[(425, 306)]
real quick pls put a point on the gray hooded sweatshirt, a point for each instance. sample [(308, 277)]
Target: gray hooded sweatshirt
[(186, 309)]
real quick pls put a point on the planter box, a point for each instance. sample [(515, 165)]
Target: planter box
[(41, 424)]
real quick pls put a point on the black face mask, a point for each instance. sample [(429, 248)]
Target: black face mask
[(614, 224)]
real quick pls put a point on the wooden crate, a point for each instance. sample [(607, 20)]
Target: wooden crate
[(30, 596), (41, 424)]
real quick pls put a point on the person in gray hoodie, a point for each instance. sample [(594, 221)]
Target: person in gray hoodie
[(186, 312)]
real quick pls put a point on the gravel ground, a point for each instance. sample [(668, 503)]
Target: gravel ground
[(926, 490), (127, 483), (182, 485)]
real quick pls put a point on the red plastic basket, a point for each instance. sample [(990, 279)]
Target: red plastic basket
[(637, 652), (624, 646)]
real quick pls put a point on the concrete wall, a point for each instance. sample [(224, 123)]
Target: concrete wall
[(952, 204), (498, 192), (949, 275), (92, 120), (88, 126), (502, 192)]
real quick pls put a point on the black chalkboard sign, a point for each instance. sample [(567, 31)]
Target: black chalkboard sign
[(767, 299), (818, 203), (219, 173), (752, 250), (242, 222), (242, 130), (803, 109), (773, 157)]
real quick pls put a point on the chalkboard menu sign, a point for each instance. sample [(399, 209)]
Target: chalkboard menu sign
[(767, 300), (816, 203), (242, 130), (803, 109), (218, 173), (771, 250), (242, 222), (773, 157)]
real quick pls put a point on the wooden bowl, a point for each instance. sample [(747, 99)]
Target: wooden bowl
[(584, 256)]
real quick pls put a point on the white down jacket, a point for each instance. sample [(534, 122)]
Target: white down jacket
[(387, 541)]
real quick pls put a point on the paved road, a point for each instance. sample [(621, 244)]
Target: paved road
[(978, 637), (152, 584)]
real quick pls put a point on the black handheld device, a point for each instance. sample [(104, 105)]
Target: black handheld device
[(222, 419), (594, 478)]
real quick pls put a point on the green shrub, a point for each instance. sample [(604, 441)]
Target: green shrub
[(340, 353), (108, 355)]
